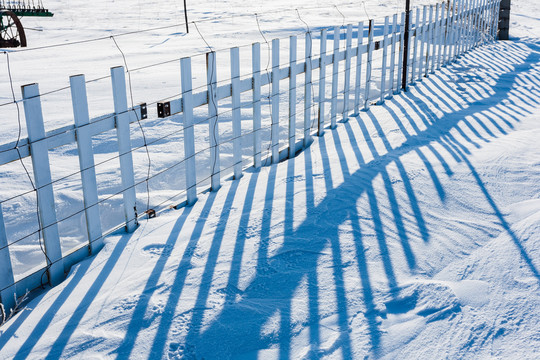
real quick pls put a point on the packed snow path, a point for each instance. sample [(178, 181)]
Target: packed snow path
[(410, 231)]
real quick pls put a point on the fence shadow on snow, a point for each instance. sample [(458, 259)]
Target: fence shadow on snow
[(450, 137)]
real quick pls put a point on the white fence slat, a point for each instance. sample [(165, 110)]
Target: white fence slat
[(213, 121), (468, 23), (400, 56), (488, 18), (124, 146), (464, 6), (7, 280), (384, 45), (42, 181), (358, 80), (484, 18), (495, 16), (429, 42), (308, 89), (322, 83), (479, 23), (347, 77), (370, 47), (451, 33), (462, 13), (256, 67), (446, 35), (435, 38), (476, 25), (415, 50), (477, 31), (422, 58), (474, 34), (86, 162), (275, 101), (393, 56), (455, 31), (292, 95), (459, 28), (440, 37), (492, 21), (335, 78), (189, 131), (236, 113)]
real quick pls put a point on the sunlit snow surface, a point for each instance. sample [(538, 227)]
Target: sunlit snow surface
[(411, 231)]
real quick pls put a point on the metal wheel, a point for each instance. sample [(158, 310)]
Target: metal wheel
[(11, 30)]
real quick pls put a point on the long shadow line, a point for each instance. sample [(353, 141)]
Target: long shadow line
[(312, 281)]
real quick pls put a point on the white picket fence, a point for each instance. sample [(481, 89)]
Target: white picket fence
[(438, 35)]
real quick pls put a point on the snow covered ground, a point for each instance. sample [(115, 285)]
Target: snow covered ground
[(411, 231)]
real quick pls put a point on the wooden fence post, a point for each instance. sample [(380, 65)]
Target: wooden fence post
[(322, 83), (292, 95), (435, 39), (256, 67), (384, 45), (358, 79), (440, 37), (347, 77), (7, 280), (275, 101), (470, 24), (86, 162), (446, 35), (422, 43), (236, 113), (308, 91), (491, 19), (401, 52), (42, 181), (213, 121), (393, 55), (455, 18), (189, 131), (461, 6), (415, 50), (335, 78), (462, 22), (429, 43), (479, 23), (370, 47), (124, 146)]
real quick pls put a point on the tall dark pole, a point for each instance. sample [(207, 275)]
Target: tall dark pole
[(406, 43), (185, 15)]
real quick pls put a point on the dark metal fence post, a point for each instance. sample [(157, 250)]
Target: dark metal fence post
[(504, 20), (406, 44), (185, 15)]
